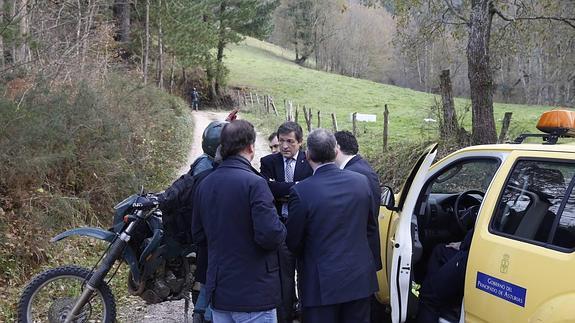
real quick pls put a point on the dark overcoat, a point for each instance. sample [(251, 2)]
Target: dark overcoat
[(234, 214), (359, 165), (328, 230)]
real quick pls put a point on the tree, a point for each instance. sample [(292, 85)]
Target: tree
[(122, 15), (477, 17), (160, 48), (234, 18), (147, 43), (1, 36), (303, 18)]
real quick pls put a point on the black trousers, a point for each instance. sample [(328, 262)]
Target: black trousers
[(287, 261), (350, 312), (443, 286)]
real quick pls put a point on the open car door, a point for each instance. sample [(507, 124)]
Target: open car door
[(400, 278)]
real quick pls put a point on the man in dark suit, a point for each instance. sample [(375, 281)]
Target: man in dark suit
[(236, 217), (283, 171), (329, 223), (347, 158)]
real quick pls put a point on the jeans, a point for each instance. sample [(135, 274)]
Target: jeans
[(202, 305), (244, 317)]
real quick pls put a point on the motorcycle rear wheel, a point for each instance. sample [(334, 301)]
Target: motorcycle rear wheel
[(50, 296)]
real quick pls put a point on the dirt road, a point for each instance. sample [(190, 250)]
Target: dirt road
[(201, 121), (171, 312)]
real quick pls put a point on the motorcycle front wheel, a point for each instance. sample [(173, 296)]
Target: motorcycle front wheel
[(51, 295)]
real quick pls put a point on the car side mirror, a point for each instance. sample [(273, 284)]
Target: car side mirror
[(388, 198)]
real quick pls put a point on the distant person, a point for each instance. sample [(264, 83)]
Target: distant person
[(235, 217), (329, 227), (348, 158), (274, 143), (195, 99), (282, 171)]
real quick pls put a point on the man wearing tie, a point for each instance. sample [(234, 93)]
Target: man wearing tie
[(283, 171), (329, 225)]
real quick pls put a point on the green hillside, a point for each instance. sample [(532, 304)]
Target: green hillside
[(267, 69)]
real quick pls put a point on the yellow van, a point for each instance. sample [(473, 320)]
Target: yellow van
[(521, 262)]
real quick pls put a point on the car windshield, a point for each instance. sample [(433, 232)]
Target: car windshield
[(465, 176)]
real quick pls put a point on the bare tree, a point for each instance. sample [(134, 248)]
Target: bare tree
[(22, 52), (122, 14), (477, 17), (147, 43), (1, 37), (160, 48)]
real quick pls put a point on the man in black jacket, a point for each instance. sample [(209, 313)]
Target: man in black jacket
[(283, 171), (329, 229), (235, 216), (348, 158)]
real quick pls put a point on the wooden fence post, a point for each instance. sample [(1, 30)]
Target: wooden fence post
[(334, 122), (252, 99), (504, 127), (245, 99), (307, 117), (258, 99), (318, 119), (354, 124), (273, 106), (238, 96), (385, 127), (297, 114)]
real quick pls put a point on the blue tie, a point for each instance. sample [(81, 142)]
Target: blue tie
[(289, 170)]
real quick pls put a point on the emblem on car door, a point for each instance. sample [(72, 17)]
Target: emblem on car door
[(504, 264)]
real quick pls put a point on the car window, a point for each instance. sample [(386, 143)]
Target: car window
[(537, 204), (563, 234), (464, 176)]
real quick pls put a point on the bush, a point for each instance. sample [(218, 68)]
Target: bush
[(68, 155)]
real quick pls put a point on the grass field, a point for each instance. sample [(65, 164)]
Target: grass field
[(268, 69)]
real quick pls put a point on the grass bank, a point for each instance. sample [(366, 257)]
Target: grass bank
[(67, 155), (268, 69)]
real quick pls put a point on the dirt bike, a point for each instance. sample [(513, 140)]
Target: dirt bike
[(161, 269)]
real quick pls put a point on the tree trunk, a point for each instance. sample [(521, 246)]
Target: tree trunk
[(13, 52), (160, 48), (211, 77), (220, 54), (122, 13), (172, 74), (480, 74), (24, 25), (449, 123), (1, 38), (219, 68), (147, 48)]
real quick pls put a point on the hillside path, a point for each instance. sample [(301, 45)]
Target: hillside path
[(171, 312)]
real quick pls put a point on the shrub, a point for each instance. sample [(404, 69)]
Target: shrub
[(68, 155)]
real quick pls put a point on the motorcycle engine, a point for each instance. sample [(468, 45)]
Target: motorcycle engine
[(172, 281)]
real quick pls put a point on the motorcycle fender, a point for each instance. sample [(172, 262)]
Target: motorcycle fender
[(86, 232), (105, 235)]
